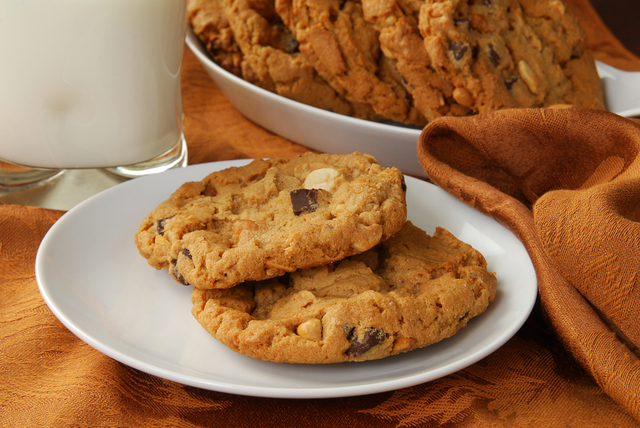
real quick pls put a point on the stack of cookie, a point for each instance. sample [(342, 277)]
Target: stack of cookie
[(312, 260), (406, 61)]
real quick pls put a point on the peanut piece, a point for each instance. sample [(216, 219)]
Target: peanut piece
[(403, 343), (463, 97), (241, 225), (528, 76), (323, 178), (310, 330)]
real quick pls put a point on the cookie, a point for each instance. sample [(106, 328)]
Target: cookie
[(401, 41), (409, 292), (271, 59), (271, 217), (210, 24), (337, 41), (510, 53)]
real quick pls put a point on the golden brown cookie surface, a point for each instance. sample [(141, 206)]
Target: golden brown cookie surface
[(510, 53), (409, 292), (273, 216), (337, 41)]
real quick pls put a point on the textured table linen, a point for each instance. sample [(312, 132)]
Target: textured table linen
[(574, 362)]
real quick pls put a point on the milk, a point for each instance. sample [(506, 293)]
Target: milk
[(89, 83)]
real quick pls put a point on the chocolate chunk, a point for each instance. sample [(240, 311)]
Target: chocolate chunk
[(209, 191), (211, 44), (404, 185), (293, 45), (510, 81), (493, 56), (359, 345), (160, 225), (457, 50), (173, 270), (186, 253), (304, 200)]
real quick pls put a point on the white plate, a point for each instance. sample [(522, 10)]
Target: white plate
[(392, 145), (92, 278)]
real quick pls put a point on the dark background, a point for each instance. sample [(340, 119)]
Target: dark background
[(623, 19)]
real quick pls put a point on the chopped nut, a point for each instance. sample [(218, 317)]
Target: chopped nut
[(310, 330), (463, 97), (209, 191), (241, 225), (323, 178), (403, 343), (528, 76), (479, 23)]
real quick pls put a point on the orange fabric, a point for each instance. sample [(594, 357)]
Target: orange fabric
[(580, 169), (50, 378)]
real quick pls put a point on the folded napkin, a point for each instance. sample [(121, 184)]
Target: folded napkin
[(566, 181)]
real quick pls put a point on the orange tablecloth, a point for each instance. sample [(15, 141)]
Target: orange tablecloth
[(48, 377)]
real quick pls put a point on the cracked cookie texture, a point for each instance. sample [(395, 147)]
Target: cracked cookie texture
[(273, 216), (510, 53), (405, 61), (408, 292)]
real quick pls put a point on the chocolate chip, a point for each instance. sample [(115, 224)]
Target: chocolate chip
[(293, 45), (493, 56), (304, 200), (160, 225), (173, 270), (457, 50), (180, 278), (211, 44), (209, 191), (510, 81), (289, 42), (359, 345), (187, 253), (404, 185)]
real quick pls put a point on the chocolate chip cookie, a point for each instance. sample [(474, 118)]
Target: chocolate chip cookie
[(337, 41), (210, 24), (408, 292), (510, 53), (273, 216), (401, 41), (247, 38)]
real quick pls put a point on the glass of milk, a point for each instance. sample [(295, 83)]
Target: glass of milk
[(90, 84)]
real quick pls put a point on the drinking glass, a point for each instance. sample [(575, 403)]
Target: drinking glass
[(90, 84)]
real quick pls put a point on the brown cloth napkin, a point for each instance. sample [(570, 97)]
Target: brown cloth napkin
[(567, 183)]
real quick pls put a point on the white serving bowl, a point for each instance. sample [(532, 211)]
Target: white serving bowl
[(391, 144)]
